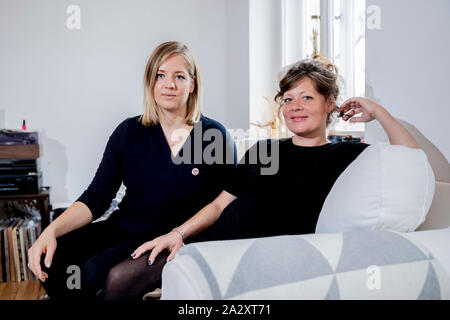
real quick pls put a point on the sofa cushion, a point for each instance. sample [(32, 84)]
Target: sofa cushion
[(439, 214), (353, 265), (387, 187)]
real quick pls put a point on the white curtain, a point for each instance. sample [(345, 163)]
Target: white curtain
[(345, 38)]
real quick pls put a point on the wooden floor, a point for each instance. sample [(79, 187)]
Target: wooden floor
[(26, 290)]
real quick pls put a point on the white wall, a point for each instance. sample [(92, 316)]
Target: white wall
[(266, 48), (237, 64), (75, 86), (408, 65)]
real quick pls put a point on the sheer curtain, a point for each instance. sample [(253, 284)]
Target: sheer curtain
[(346, 46)]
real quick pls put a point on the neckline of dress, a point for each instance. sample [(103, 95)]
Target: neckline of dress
[(308, 147), (188, 138)]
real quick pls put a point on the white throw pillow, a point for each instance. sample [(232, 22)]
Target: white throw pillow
[(386, 188)]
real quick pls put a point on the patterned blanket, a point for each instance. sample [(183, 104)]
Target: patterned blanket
[(353, 265)]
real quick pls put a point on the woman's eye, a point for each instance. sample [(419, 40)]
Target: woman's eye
[(287, 100), (180, 77), (159, 76), (307, 98)]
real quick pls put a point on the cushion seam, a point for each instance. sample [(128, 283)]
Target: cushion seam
[(380, 188), (427, 190)]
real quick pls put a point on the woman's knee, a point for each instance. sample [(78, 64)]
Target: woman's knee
[(116, 284), (115, 276), (131, 279)]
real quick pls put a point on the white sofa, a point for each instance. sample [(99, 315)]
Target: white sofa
[(348, 265)]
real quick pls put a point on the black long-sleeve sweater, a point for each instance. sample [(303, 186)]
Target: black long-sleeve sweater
[(160, 194)]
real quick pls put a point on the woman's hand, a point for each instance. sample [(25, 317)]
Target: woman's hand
[(46, 243), (368, 109), (171, 241)]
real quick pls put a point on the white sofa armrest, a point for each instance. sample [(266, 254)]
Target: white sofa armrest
[(353, 265), (439, 214)]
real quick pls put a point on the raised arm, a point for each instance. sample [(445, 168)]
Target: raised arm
[(173, 240), (370, 110)]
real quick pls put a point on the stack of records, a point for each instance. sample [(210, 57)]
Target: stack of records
[(16, 237)]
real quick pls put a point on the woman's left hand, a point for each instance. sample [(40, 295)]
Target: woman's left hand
[(171, 241), (353, 106)]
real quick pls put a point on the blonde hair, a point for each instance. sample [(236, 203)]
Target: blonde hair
[(151, 116)]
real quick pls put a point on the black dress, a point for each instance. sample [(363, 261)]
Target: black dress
[(161, 194), (288, 201)]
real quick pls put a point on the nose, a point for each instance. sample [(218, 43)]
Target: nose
[(169, 83), (296, 107)]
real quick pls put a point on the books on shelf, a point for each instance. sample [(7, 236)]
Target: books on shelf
[(16, 237)]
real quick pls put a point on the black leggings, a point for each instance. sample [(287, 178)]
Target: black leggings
[(86, 256), (130, 279), (102, 251)]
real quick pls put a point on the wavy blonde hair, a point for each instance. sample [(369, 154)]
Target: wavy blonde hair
[(151, 114)]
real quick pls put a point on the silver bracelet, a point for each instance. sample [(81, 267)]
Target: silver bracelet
[(183, 236)]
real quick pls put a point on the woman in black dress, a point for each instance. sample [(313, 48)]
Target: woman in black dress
[(155, 156)]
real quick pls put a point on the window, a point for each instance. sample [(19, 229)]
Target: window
[(335, 28)]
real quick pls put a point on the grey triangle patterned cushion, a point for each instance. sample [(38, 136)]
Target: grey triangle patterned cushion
[(352, 265)]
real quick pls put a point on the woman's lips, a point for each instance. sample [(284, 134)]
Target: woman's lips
[(169, 96), (299, 119)]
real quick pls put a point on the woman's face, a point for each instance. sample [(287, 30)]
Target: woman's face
[(305, 110), (173, 84)]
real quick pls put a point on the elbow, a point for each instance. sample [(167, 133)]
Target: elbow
[(217, 209), (408, 145), (413, 144), (407, 142)]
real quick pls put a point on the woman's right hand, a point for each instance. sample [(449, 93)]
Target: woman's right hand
[(46, 243), (171, 241)]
